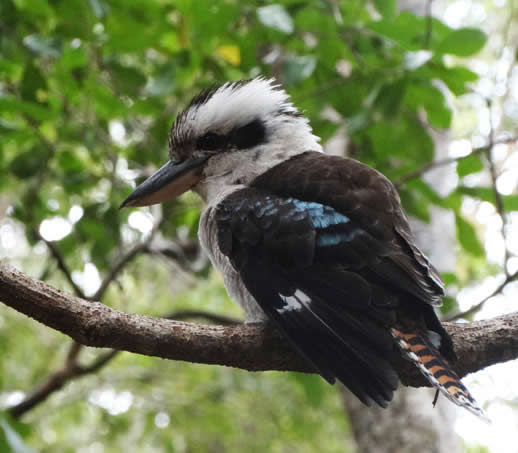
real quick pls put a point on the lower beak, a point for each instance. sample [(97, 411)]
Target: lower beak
[(169, 182)]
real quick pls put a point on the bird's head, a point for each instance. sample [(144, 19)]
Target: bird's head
[(227, 136)]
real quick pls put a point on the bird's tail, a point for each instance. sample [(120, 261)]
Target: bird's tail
[(437, 370)]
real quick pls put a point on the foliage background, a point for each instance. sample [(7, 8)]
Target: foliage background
[(88, 92)]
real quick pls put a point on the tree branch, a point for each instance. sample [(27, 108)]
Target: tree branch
[(118, 267), (475, 308), (494, 177), (448, 160), (60, 261), (252, 347), (72, 369)]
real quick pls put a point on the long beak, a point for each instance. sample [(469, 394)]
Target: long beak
[(170, 181)]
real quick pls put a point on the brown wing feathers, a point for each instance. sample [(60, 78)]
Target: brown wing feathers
[(370, 200)]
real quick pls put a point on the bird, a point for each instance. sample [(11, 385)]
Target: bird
[(317, 245)]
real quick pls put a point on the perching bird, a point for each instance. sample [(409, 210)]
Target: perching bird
[(317, 244)]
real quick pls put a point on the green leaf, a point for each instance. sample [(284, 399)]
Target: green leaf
[(128, 79), (415, 204), (43, 46), (74, 58), (426, 190), (409, 30), (37, 111), (467, 237), (164, 82), (456, 78), (28, 163), (429, 97), (32, 81), (387, 8), (404, 137), (463, 42), (449, 278), (70, 162), (510, 202), (470, 164), (482, 193), (448, 304), (390, 97)]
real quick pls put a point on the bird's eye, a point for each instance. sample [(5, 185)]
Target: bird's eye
[(211, 142)]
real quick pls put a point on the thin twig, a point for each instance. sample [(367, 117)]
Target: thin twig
[(475, 308), (428, 33), (449, 160), (72, 369), (117, 268), (498, 197), (60, 260)]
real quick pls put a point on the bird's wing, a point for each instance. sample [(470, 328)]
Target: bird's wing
[(371, 202), (298, 259)]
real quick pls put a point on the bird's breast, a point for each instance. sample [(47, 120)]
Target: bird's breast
[(234, 285)]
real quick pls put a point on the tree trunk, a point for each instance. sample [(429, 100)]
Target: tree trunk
[(410, 424)]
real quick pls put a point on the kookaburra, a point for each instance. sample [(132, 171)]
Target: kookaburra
[(319, 245)]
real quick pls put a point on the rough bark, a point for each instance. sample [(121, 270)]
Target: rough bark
[(253, 347)]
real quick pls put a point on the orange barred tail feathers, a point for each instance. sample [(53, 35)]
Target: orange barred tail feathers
[(437, 370)]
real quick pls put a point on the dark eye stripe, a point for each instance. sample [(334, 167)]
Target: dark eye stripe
[(212, 142), (244, 137), (249, 135)]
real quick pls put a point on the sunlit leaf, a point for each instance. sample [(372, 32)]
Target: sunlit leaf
[(468, 237), (230, 54), (431, 99), (463, 42), (99, 7), (13, 439), (387, 8), (277, 17), (470, 164), (510, 202), (43, 46)]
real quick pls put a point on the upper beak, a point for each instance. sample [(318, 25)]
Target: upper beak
[(170, 181)]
